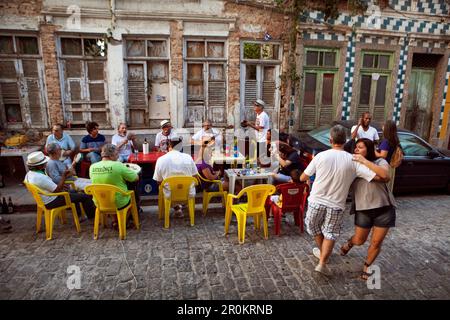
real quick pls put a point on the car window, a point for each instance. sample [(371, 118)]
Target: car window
[(322, 134), (412, 146)]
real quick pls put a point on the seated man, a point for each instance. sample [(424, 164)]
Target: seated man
[(162, 138), (65, 142), (55, 168), (37, 162), (125, 143), (289, 160), (111, 171), (209, 132), (175, 163), (92, 143)]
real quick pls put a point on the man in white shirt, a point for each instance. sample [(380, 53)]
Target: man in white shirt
[(261, 125), (37, 163), (175, 163), (208, 131), (364, 130), (163, 137), (125, 143), (335, 171)]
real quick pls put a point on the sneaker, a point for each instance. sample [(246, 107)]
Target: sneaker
[(316, 253), (82, 219), (323, 269)]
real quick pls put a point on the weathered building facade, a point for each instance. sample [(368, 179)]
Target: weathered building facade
[(143, 61)]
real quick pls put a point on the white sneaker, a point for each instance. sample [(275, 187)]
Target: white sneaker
[(316, 253), (323, 269)]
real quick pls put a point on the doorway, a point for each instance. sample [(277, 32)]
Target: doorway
[(419, 113)]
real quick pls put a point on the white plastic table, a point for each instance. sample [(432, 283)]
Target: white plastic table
[(221, 158), (233, 176)]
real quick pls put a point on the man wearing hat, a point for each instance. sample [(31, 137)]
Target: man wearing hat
[(261, 125), (162, 138), (37, 162)]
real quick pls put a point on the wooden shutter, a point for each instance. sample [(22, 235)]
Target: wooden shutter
[(378, 114), (309, 109), (308, 118), (269, 86), (326, 115), (216, 93), (34, 102), (137, 94)]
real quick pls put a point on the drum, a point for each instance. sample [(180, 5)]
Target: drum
[(134, 167)]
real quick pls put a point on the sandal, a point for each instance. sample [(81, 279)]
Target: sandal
[(346, 247), (364, 274)]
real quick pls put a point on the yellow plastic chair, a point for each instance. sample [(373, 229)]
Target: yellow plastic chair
[(208, 195), (105, 200), (51, 214), (179, 193), (256, 195)]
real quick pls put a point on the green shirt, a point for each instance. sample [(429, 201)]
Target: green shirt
[(114, 173)]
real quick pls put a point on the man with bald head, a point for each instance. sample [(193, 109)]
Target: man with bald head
[(65, 141)]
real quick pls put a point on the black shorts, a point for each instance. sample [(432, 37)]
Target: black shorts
[(383, 217)]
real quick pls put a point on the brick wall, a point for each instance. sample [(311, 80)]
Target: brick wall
[(176, 50), (21, 8), (271, 22), (48, 40)]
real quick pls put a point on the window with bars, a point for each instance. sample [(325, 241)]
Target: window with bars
[(376, 68), (82, 62), (260, 69), (320, 79), (147, 65), (22, 98), (205, 80)]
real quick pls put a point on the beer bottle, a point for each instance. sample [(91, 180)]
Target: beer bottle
[(10, 206), (4, 206)]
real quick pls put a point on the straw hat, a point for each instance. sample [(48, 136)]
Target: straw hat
[(36, 158), (164, 123)]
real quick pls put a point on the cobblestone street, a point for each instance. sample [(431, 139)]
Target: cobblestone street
[(200, 263)]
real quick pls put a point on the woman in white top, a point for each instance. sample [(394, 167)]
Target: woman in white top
[(374, 205)]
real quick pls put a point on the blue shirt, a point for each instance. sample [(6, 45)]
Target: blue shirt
[(385, 146), (65, 142), (90, 142)]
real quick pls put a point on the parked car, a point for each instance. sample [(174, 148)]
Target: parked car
[(423, 166)]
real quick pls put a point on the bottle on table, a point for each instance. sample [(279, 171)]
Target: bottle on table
[(10, 206), (235, 147), (4, 206), (145, 147)]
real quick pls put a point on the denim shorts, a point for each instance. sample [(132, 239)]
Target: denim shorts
[(383, 217)]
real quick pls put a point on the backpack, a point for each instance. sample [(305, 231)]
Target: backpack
[(397, 157)]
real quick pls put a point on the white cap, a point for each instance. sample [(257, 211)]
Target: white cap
[(36, 158), (164, 122)]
